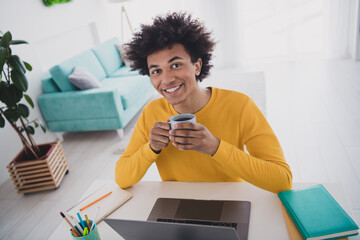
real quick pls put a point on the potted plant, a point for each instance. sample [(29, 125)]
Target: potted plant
[(36, 167)]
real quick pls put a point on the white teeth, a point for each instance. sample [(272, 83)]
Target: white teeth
[(172, 89)]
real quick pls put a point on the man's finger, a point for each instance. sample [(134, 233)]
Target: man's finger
[(183, 146), (183, 140), (160, 139), (184, 133), (162, 125), (188, 125), (160, 131)]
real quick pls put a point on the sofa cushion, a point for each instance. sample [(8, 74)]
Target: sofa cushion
[(124, 71), (49, 86), (108, 56), (121, 49), (130, 87), (86, 59), (82, 79)]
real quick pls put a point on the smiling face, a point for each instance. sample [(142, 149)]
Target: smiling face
[(173, 75)]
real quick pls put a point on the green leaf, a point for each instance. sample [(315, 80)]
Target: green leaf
[(9, 94), (2, 58), (29, 100), (16, 63), (16, 42), (5, 40), (21, 129), (19, 80), (42, 126), (23, 110), (12, 115), (36, 124), (28, 66), (30, 129), (2, 121)]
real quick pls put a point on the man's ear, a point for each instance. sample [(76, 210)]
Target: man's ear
[(198, 65)]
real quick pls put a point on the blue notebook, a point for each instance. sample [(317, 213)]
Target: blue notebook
[(316, 213)]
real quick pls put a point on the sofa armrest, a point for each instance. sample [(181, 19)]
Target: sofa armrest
[(77, 105)]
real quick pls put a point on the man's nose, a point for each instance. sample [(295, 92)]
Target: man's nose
[(168, 76)]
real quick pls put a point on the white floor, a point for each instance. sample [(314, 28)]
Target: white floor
[(313, 107)]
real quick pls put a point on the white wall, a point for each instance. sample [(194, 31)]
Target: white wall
[(354, 25)]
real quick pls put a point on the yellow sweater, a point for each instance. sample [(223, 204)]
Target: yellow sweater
[(233, 118)]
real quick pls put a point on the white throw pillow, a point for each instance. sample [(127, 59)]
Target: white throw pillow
[(83, 79), (121, 50)]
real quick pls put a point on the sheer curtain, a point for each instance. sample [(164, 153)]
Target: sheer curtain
[(293, 29), (338, 15), (255, 31)]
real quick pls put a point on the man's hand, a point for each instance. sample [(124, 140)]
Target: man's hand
[(159, 136), (194, 136)]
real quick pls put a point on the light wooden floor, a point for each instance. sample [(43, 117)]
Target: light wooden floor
[(313, 107)]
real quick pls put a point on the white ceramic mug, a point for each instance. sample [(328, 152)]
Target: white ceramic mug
[(185, 117)]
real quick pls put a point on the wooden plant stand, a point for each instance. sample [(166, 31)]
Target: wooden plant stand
[(41, 174)]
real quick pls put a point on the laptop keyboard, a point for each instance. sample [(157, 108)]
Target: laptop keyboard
[(199, 222)]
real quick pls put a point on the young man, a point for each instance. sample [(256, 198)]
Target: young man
[(175, 51)]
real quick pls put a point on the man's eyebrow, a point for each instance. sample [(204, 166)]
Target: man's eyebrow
[(153, 66), (173, 59)]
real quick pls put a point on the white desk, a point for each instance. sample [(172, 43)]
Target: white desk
[(266, 218)]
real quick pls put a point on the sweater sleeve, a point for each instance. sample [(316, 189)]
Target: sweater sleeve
[(137, 158), (265, 165)]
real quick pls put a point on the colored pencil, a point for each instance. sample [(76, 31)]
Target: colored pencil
[(74, 233), (87, 221), (77, 226), (81, 209), (61, 213), (81, 221)]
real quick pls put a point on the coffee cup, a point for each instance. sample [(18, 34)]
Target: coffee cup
[(185, 117)]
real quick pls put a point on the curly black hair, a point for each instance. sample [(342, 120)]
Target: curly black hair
[(166, 31)]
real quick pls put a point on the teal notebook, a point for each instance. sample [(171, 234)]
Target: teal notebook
[(316, 213)]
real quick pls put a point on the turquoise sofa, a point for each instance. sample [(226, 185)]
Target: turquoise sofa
[(111, 107)]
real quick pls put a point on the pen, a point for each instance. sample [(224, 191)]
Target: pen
[(94, 222), (81, 221), (61, 213), (77, 226), (81, 209)]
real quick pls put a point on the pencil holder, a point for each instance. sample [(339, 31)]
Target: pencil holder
[(93, 235)]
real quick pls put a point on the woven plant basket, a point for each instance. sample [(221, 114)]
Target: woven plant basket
[(41, 174)]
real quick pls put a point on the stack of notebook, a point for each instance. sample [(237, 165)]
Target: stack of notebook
[(316, 213)]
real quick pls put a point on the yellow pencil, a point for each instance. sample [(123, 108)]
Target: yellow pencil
[(87, 220)]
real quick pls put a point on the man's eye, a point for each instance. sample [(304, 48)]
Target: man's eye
[(156, 71), (176, 65)]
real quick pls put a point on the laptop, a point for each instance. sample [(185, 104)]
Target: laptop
[(147, 230), (180, 217)]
